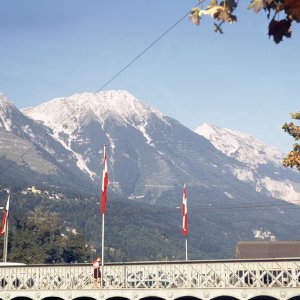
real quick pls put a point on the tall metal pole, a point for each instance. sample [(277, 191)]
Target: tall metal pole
[(186, 249), (5, 243), (102, 254), (103, 207), (102, 247), (185, 220)]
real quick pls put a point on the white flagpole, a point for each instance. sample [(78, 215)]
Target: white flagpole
[(185, 220), (5, 243), (102, 259), (186, 249), (103, 212), (102, 254), (103, 207)]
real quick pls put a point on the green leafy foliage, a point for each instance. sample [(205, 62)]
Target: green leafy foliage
[(293, 158)]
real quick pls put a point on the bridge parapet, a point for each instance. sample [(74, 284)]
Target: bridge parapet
[(228, 274)]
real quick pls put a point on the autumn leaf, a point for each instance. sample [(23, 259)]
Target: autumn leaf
[(219, 13), (224, 14), (292, 8), (292, 130), (292, 159), (279, 29), (212, 3), (296, 115), (194, 16), (229, 4), (222, 11), (257, 5)]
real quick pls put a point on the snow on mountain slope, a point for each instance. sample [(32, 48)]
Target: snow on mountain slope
[(5, 107), (240, 146), (12, 120), (262, 164), (81, 123), (68, 116), (66, 110), (32, 148), (154, 149)]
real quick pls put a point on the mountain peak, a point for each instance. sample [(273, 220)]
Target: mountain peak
[(8, 113), (117, 103), (71, 118), (4, 102)]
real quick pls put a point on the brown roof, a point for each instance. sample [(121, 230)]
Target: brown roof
[(267, 249)]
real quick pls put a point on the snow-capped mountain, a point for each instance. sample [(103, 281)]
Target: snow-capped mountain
[(80, 122), (155, 149), (149, 158), (31, 148), (239, 145), (262, 164)]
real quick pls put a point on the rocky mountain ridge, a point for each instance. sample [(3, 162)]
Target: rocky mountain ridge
[(262, 165)]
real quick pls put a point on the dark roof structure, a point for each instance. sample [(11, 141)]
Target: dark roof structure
[(267, 249)]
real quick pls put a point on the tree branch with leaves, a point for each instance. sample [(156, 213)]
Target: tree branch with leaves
[(293, 158), (223, 11)]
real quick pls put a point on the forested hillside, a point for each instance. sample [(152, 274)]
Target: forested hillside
[(44, 230)]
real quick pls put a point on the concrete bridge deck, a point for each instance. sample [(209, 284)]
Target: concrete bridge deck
[(222, 279)]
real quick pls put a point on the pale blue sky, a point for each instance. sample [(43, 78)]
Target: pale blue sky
[(239, 80)]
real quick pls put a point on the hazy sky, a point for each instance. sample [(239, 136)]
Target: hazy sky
[(239, 80)]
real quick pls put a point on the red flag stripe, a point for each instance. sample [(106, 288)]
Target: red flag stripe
[(2, 230), (184, 212), (5, 217), (104, 183)]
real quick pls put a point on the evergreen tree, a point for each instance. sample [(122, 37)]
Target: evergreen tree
[(74, 248), (38, 238)]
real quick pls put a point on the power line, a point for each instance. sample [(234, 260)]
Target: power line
[(161, 210), (143, 52)]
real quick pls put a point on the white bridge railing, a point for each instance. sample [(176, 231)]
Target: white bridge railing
[(153, 275)]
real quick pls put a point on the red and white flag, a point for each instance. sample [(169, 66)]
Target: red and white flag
[(5, 218), (104, 183), (184, 213)]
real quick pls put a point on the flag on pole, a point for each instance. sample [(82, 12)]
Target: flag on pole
[(5, 218), (104, 183), (184, 213)]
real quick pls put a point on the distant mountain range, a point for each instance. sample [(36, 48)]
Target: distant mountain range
[(235, 183)]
